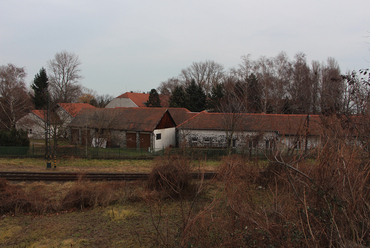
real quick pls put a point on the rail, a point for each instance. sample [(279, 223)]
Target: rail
[(74, 176)]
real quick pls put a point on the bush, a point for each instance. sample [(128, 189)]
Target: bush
[(41, 198), (14, 138), (171, 176)]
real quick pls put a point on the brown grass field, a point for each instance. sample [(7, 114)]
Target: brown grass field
[(90, 165), (290, 201)]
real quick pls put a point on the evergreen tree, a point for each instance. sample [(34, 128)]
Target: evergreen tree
[(214, 99), (14, 138), (39, 86), (197, 97), (253, 94), (154, 100), (178, 98)]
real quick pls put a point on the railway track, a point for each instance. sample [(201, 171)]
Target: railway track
[(74, 176)]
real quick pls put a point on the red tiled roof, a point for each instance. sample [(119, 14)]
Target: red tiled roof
[(138, 98), (42, 114), (129, 119), (179, 115), (74, 108), (39, 113), (284, 124)]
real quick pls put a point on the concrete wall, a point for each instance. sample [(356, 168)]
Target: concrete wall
[(218, 139), (167, 139), (243, 140)]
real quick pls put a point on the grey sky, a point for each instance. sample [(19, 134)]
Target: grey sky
[(135, 45)]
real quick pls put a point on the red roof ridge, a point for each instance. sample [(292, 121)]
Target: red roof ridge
[(74, 108), (203, 112), (125, 95), (39, 113)]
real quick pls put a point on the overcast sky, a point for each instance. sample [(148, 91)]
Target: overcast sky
[(135, 45)]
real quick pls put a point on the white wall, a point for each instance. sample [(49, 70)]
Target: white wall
[(121, 102), (290, 141), (213, 138), (33, 122), (168, 138)]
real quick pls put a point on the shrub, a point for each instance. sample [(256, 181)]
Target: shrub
[(14, 138), (41, 198), (171, 176)]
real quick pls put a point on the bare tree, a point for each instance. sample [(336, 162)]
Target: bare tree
[(64, 77), (265, 75), (300, 86), (283, 74), (315, 80), (332, 88), (102, 100), (244, 69), (14, 100), (206, 74), (168, 87), (233, 105)]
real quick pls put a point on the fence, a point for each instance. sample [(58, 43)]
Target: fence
[(117, 153), (75, 151)]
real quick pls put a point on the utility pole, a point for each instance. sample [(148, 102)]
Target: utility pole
[(47, 133)]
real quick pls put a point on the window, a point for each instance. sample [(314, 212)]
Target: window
[(158, 136), (234, 143), (194, 139), (206, 140), (267, 144), (30, 131)]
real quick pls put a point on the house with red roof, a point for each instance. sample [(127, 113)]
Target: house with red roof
[(139, 128), (132, 100), (67, 111), (33, 123), (61, 115), (246, 130)]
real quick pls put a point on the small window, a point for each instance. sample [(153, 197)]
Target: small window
[(234, 143), (206, 140), (30, 131), (158, 136), (194, 139), (267, 144)]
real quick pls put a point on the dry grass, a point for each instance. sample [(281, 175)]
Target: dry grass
[(292, 202), (90, 165), (42, 198)]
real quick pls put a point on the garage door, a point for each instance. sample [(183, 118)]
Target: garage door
[(144, 141), (131, 140)]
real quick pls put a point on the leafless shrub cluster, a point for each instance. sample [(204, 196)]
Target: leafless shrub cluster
[(171, 176), (40, 198), (14, 199)]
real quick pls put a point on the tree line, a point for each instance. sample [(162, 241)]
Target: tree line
[(270, 85), (276, 85)]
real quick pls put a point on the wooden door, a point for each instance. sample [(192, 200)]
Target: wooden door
[(144, 141), (131, 140)]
